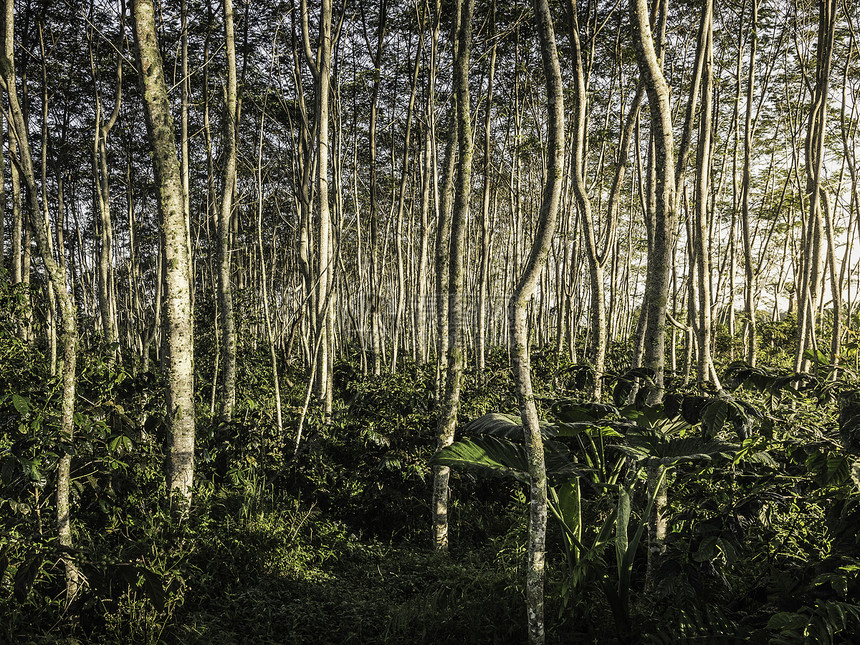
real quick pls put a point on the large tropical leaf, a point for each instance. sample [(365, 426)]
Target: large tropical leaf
[(506, 426), (573, 412), (650, 447), (603, 429), (624, 384), (492, 455)]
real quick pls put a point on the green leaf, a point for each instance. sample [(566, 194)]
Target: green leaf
[(622, 515), (154, 588), (496, 423), (491, 455), (714, 417), (21, 403), (4, 562), (572, 412), (26, 576), (706, 549), (575, 429), (785, 620), (569, 504), (837, 469), (494, 456), (505, 425)]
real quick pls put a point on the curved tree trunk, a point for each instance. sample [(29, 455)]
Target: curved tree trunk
[(659, 258), (57, 278), (517, 314)]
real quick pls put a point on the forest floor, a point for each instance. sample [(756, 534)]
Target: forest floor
[(333, 546)]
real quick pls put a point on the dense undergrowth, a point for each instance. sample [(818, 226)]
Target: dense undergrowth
[(331, 545)]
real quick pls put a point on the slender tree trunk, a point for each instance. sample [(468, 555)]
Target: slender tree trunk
[(57, 278), (746, 187), (225, 221), (484, 275), (449, 406), (179, 323), (659, 258), (702, 230), (583, 202), (519, 329), (813, 260)]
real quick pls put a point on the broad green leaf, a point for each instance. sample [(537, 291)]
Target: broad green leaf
[(504, 425), (21, 403), (569, 505), (572, 412), (4, 561), (714, 417), (566, 429), (153, 587), (785, 620), (622, 520), (496, 456), (26, 575), (706, 549), (837, 469)]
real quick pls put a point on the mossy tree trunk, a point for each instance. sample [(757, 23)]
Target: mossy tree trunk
[(518, 327), (177, 298)]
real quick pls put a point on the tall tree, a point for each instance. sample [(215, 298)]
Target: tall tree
[(746, 189), (58, 281), (177, 263), (659, 256), (812, 255), (449, 405), (225, 221), (519, 332), (702, 230), (320, 66)]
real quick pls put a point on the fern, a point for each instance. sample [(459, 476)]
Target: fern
[(829, 621)]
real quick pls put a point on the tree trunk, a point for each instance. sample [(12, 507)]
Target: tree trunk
[(659, 258), (225, 220), (813, 260), (57, 279), (454, 328), (519, 329), (179, 323)]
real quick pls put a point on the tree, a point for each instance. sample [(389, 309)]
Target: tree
[(659, 257), (179, 322), (225, 220), (57, 277), (449, 405), (517, 313), (812, 257)]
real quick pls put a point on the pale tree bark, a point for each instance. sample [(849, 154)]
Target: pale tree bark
[(376, 274), (702, 232), (813, 261), (225, 221), (57, 278), (400, 308), (177, 265), (264, 294), (596, 262), (320, 66), (106, 288), (746, 187), (517, 313), (659, 258), (443, 213), (449, 405), (484, 276)]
